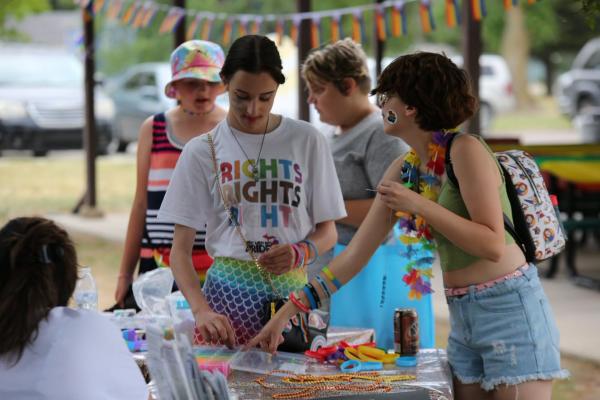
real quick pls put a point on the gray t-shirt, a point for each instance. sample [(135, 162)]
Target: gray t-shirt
[(361, 156)]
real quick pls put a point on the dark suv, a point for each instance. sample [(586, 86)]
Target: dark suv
[(579, 88), (42, 101)]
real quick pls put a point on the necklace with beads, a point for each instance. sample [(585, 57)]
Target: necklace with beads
[(416, 235), (252, 164)]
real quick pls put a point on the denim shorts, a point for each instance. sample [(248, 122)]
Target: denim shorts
[(505, 334)]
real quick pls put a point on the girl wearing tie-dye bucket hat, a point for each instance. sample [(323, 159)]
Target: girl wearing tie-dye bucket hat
[(195, 84)]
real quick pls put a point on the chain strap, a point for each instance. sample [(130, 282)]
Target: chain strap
[(238, 228)]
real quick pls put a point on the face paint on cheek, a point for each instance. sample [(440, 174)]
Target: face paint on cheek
[(391, 117)]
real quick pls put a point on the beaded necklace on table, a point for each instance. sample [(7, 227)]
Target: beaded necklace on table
[(416, 235)]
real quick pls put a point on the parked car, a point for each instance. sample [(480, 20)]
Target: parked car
[(139, 93), (42, 101), (495, 87), (578, 89)]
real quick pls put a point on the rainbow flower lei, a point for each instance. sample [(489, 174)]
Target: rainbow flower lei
[(415, 233)]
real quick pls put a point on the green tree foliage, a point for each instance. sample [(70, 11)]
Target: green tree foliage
[(17, 9)]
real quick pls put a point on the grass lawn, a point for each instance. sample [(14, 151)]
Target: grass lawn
[(544, 116)]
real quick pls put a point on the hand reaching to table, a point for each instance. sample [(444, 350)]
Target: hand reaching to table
[(215, 328)]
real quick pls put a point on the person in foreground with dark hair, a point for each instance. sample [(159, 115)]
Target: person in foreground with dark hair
[(47, 350), (270, 203), (503, 341)]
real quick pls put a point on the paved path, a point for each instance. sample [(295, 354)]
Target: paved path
[(577, 310)]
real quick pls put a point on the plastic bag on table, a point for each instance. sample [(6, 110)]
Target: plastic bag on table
[(151, 289)]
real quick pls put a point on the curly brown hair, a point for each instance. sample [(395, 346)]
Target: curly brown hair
[(38, 271), (430, 82)]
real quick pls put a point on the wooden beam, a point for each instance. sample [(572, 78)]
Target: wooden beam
[(90, 139), (179, 34), (304, 46), (471, 50)]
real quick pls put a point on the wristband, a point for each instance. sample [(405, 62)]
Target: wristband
[(316, 296), (323, 285), (296, 301), (298, 256), (332, 277), (309, 296), (311, 247)]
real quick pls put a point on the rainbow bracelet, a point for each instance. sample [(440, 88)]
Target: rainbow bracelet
[(309, 296), (332, 277)]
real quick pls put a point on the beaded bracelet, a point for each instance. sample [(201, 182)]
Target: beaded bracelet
[(309, 296), (296, 301), (332, 277), (311, 247)]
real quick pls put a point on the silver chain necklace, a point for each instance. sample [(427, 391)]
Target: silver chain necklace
[(252, 165)]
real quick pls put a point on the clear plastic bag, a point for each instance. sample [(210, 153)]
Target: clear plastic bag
[(151, 289)]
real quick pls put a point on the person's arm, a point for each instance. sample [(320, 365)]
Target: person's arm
[(479, 179), (357, 211), (137, 216), (212, 326), (281, 257), (344, 267)]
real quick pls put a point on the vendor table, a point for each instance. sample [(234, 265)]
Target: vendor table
[(433, 381)]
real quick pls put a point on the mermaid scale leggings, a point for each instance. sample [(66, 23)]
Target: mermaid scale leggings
[(237, 289)]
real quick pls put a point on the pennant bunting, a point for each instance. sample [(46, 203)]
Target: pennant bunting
[(256, 24), (314, 32), (380, 23), (193, 28), (129, 13), (478, 9), (279, 28), (98, 6), (294, 29), (335, 28), (242, 27), (114, 9), (138, 20), (149, 16), (227, 31), (206, 29), (427, 22), (452, 13)]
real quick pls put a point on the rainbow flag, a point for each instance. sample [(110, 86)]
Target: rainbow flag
[(171, 20), (478, 8), (335, 28), (380, 23), (357, 27), (129, 13), (193, 28), (138, 20), (242, 27), (206, 28), (279, 30), (427, 21), (452, 13), (98, 6), (114, 9), (508, 4), (149, 15), (398, 17), (314, 32), (294, 30), (255, 29), (227, 31)]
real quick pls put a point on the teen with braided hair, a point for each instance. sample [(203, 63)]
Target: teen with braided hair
[(47, 350)]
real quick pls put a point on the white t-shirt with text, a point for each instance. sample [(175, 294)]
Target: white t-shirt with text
[(298, 187)]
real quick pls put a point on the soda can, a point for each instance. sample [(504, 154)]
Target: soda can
[(406, 332)]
